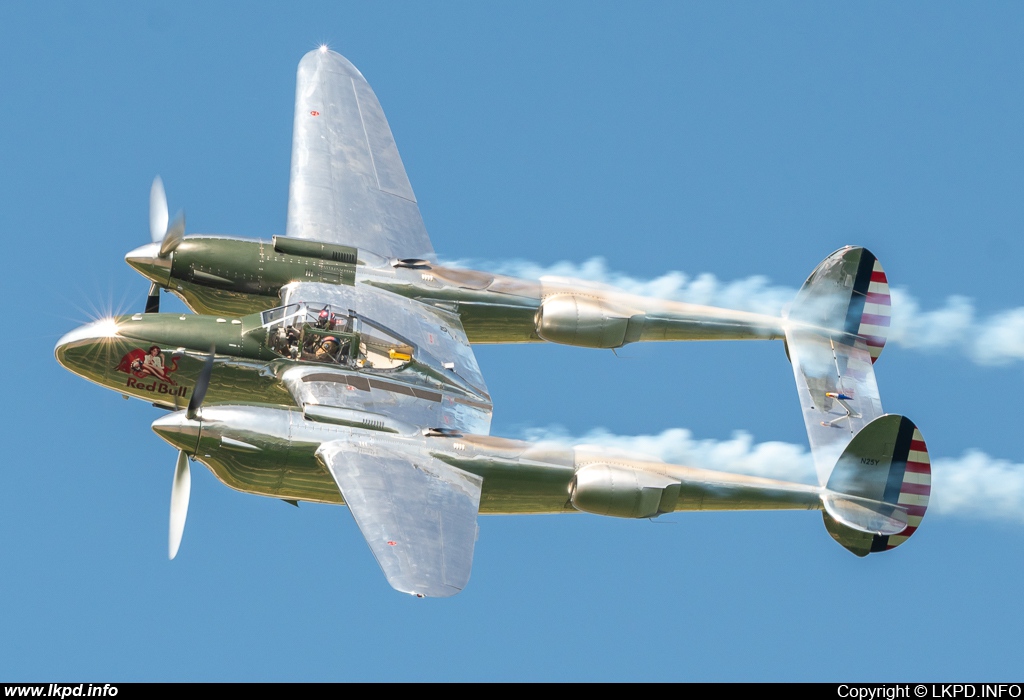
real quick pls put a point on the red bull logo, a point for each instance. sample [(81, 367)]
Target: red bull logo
[(142, 365)]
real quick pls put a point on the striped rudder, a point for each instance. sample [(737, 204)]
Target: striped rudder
[(848, 293), (915, 487), (872, 322)]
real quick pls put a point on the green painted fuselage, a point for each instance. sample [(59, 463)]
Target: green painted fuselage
[(221, 275)]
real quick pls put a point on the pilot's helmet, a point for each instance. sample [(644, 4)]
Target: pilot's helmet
[(330, 344), (323, 318)]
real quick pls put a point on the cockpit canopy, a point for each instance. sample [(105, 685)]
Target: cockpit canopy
[(315, 332)]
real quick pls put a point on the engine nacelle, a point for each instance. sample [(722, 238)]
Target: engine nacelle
[(582, 321), (622, 492)]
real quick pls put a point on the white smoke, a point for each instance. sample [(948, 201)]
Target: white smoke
[(974, 485), (776, 460), (979, 486), (994, 340)]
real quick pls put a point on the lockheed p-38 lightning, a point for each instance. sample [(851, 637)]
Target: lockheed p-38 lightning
[(335, 365)]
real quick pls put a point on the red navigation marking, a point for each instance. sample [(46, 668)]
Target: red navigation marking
[(315, 113), (392, 543)]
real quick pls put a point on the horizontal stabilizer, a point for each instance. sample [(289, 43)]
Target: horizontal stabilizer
[(833, 346), (838, 393)]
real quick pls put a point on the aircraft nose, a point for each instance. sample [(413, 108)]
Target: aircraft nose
[(95, 331), (147, 261), (178, 430), (89, 350)]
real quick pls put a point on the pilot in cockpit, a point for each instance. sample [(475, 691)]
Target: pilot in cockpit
[(328, 349), (326, 320), (291, 345)]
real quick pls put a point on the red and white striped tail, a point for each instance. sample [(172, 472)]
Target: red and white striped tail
[(915, 489), (848, 292), (877, 311)]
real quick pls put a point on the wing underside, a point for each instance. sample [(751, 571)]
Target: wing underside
[(418, 514), (348, 183)]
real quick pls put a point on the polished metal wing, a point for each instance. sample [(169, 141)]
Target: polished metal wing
[(417, 513), (348, 183)]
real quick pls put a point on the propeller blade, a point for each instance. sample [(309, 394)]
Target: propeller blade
[(157, 210), (153, 300), (180, 491), (175, 234), (202, 384)]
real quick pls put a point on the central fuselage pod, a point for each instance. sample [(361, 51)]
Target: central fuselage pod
[(158, 358)]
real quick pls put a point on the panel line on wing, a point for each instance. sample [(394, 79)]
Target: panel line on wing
[(366, 134)]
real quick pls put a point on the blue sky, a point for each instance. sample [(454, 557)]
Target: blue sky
[(737, 140)]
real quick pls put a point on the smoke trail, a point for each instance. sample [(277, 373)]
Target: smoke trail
[(994, 340), (974, 485)]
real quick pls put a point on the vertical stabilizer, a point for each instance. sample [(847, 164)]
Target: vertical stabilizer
[(847, 293), (882, 478)]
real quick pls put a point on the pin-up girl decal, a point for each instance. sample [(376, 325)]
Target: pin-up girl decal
[(148, 364)]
